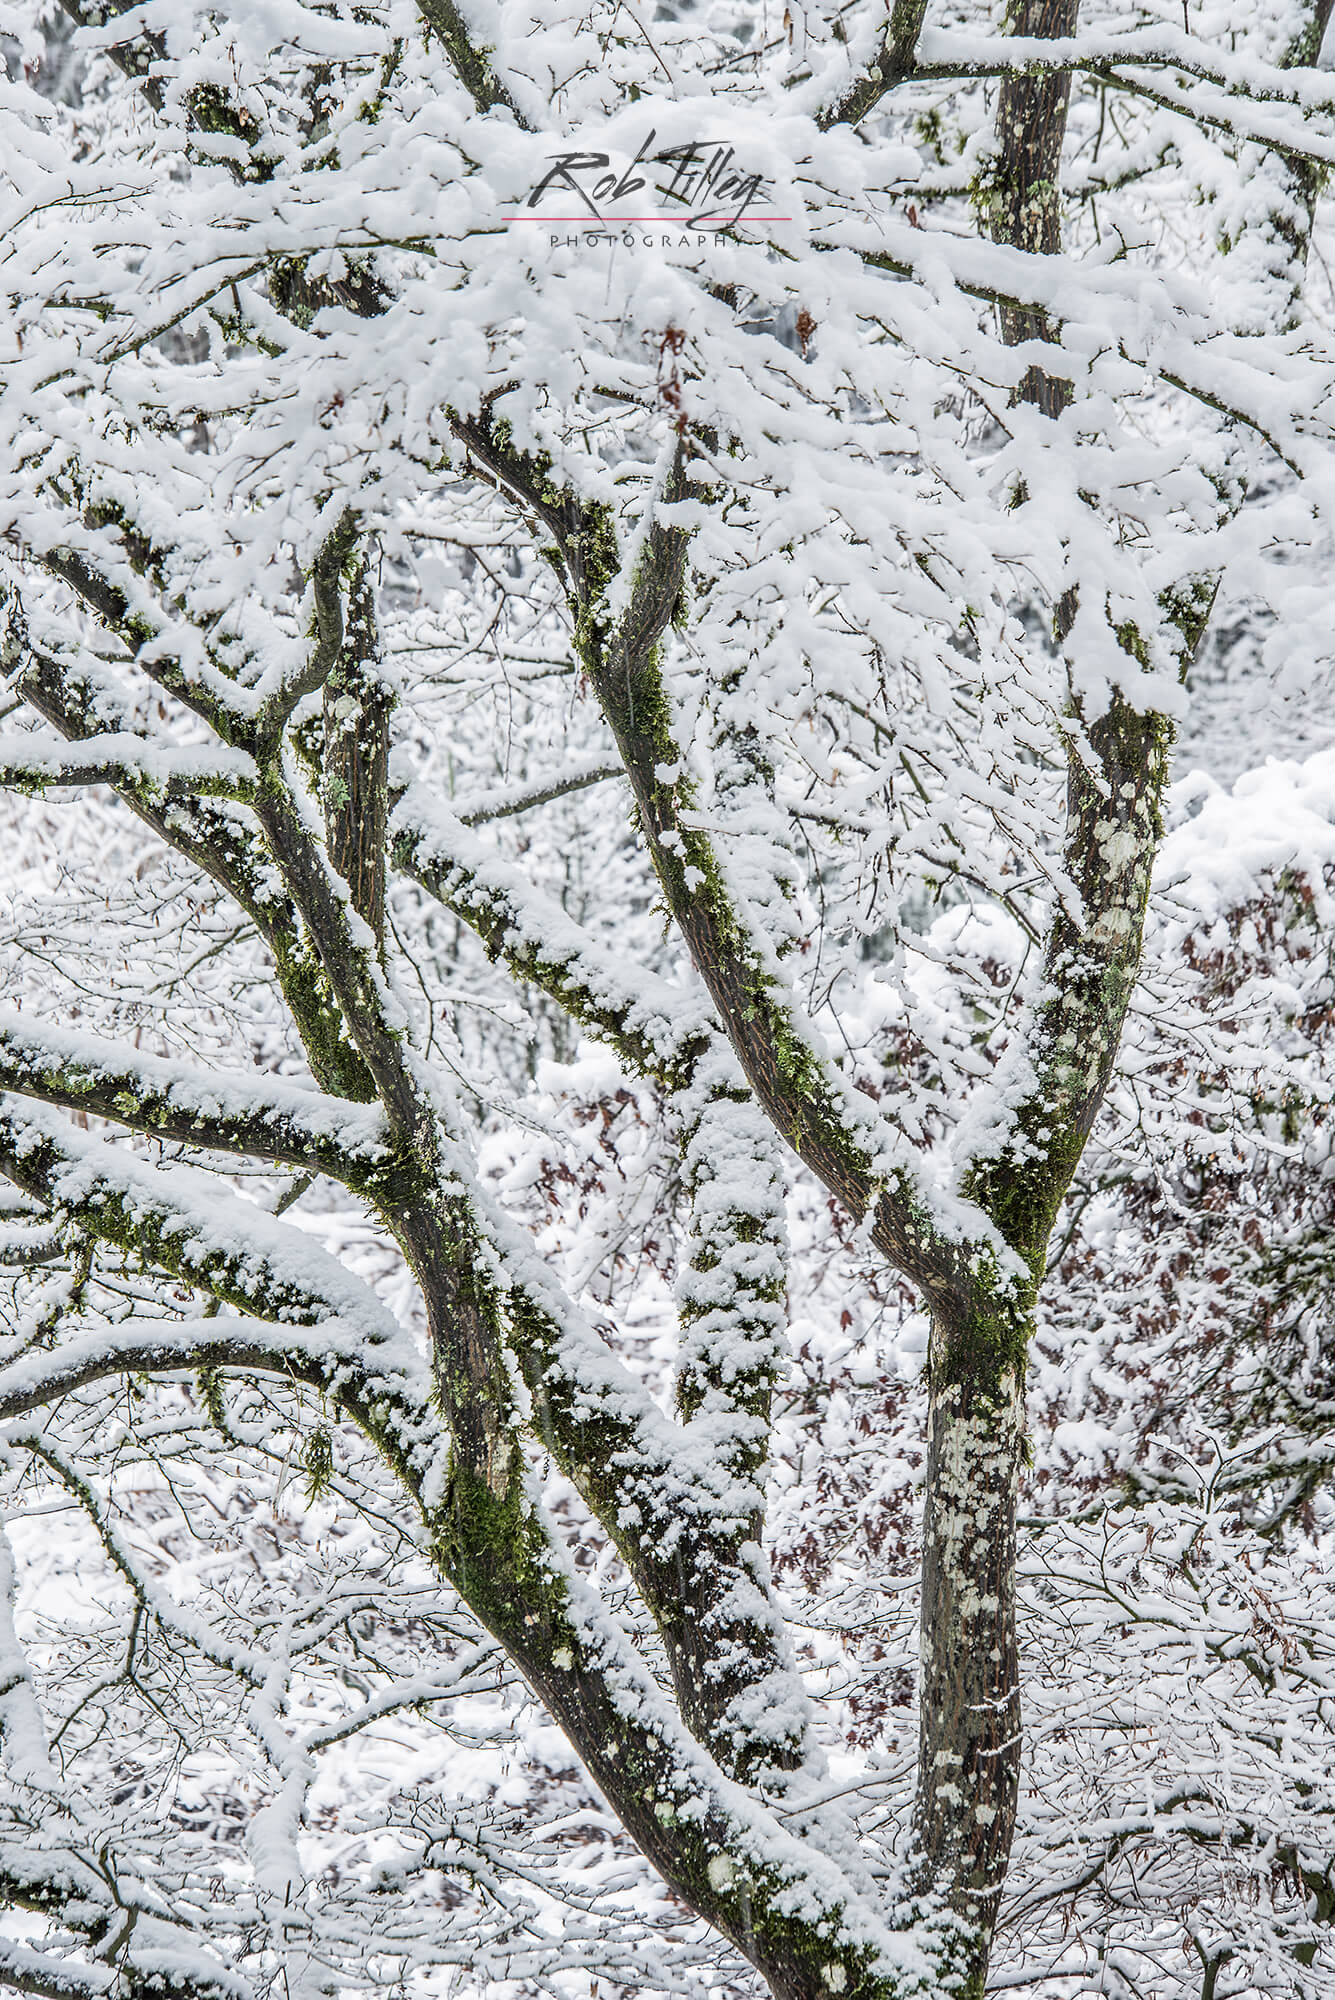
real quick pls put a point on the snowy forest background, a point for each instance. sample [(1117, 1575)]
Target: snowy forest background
[(261, 1706)]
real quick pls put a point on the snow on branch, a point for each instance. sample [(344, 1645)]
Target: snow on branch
[(655, 1027), (29, 763), (1244, 81), (228, 1113), (178, 1220)]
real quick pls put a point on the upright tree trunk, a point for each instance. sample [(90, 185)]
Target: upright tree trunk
[(969, 1734)]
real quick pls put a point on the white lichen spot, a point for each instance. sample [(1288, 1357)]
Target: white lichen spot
[(834, 1977), (721, 1874), (563, 1659), (1116, 844)]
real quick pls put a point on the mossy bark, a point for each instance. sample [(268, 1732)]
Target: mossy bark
[(1019, 195), (969, 1696), (355, 778)]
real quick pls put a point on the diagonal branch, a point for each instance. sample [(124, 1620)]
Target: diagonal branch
[(225, 1112), (656, 1029), (183, 1224), (895, 62), (716, 1845), (137, 619), (673, 1504), (835, 1131), (471, 64), (504, 801), (833, 1128)]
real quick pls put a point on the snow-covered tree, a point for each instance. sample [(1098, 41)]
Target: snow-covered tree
[(612, 1152)]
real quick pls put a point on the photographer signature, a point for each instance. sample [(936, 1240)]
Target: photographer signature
[(705, 184)]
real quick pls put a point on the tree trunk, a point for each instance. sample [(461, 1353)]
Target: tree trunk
[(969, 1733)]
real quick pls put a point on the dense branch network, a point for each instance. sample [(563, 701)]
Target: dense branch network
[(225, 669)]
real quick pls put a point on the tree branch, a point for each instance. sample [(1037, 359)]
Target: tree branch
[(226, 1112), (834, 1130), (31, 763), (670, 1508), (967, 1791), (218, 842), (713, 1842), (504, 801), (895, 62), (358, 704), (183, 1224), (141, 626), (53, 1978), (656, 1029), (1244, 81), (211, 108), (336, 561), (472, 65)]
